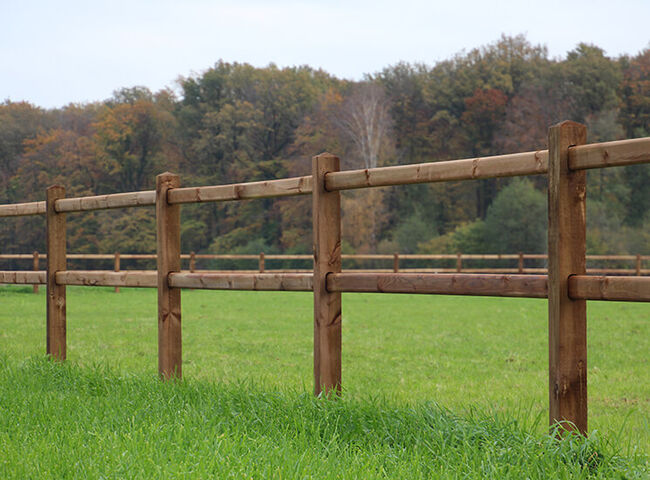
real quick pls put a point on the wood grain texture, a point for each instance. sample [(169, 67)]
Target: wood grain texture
[(104, 202), (285, 187), (297, 282), (22, 209), (116, 267), (621, 289), (21, 277), (106, 278), (528, 163), (610, 154), (168, 225), (566, 257), (36, 268), (532, 286), (327, 260), (56, 262)]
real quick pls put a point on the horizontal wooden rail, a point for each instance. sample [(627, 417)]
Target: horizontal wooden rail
[(583, 157), (104, 202), (299, 282), (610, 154), (348, 256), (587, 287), (533, 286), (23, 277), (107, 278), (22, 209), (285, 187), (528, 163), (630, 289)]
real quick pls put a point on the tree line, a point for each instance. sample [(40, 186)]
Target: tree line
[(235, 123)]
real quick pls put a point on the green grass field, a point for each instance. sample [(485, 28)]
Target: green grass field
[(434, 387)]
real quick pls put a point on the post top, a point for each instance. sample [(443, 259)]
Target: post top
[(568, 124), (325, 154)]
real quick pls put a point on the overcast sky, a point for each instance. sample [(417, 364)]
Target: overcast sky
[(60, 51)]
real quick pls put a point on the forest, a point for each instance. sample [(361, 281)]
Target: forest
[(234, 122)]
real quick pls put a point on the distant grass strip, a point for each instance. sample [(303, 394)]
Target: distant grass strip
[(69, 421)]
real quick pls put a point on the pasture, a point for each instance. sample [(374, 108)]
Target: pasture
[(433, 386)]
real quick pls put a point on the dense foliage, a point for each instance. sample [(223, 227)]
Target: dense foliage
[(236, 123)]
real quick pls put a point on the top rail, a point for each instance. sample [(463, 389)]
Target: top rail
[(285, 187), (105, 202), (610, 154), (22, 209), (528, 163), (583, 157)]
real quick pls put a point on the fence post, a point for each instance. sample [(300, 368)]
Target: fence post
[(56, 261), (521, 262), (261, 262), (116, 267), (396, 262), (566, 257), (327, 259), (192, 262), (168, 225), (638, 264), (459, 262), (35, 268)]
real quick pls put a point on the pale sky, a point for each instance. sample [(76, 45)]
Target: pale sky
[(61, 51)]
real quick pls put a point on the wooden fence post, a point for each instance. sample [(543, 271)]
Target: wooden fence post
[(566, 257), (35, 268), (396, 262), (459, 262), (168, 224), (521, 263), (261, 262), (192, 262), (327, 259), (56, 261), (638, 264), (116, 267)]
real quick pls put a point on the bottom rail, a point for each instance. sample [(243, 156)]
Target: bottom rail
[(624, 289), (585, 287), (297, 282), (23, 277), (534, 286)]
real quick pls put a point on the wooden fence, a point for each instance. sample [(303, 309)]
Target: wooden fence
[(567, 285)]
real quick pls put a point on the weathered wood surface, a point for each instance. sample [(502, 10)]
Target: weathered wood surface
[(56, 262), (22, 209), (168, 222), (610, 154), (106, 278), (116, 267), (528, 163), (566, 257), (625, 289), (35, 267), (326, 213), (533, 286), (284, 187), (22, 277), (104, 202), (298, 282)]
